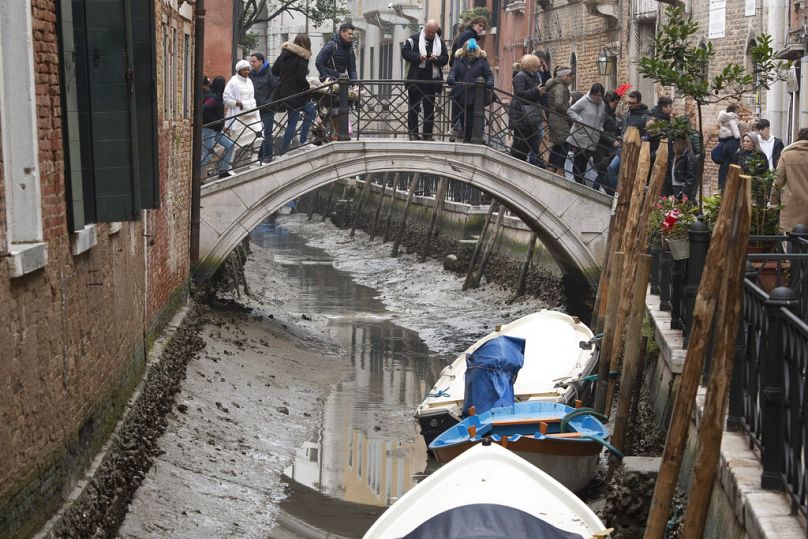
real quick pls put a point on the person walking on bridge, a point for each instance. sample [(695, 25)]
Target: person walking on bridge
[(475, 27), (291, 67), (243, 122), (558, 102), (337, 56), (470, 64), (264, 83), (426, 55)]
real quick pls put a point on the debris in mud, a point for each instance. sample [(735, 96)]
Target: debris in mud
[(183, 408), (282, 409), (305, 317)]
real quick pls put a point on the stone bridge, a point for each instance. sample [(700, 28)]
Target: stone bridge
[(571, 220)]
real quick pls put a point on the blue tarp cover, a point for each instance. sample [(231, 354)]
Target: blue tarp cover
[(487, 521), (490, 373)]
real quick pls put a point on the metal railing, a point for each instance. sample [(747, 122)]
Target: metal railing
[(769, 393), (380, 109)]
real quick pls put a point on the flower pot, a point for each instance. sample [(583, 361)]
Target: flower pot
[(680, 248)]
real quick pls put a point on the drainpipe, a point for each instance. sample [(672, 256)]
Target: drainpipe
[(803, 121), (775, 97), (196, 150)]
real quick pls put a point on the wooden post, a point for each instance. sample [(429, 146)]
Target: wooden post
[(440, 195), (362, 196), (633, 356), (637, 393), (328, 202), (520, 285), (389, 218), (489, 248), (403, 223), (715, 407), (473, 260), (313, 196), (608, 333), (633, 243), (703, 310), (628, 163), (381, 203)]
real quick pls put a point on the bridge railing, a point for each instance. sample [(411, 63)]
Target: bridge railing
[(769, 392), (465, 112)]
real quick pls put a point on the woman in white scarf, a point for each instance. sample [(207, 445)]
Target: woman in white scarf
[(239, 97)]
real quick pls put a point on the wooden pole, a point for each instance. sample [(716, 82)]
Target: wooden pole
[(403, 223), (633, 355), (489, 248), (313, 196), (362, 196), (389, 218), (637, 393), (328, 202), (380, 204), (520, 285), (703, 310), (473, 260), (440, 195), (608, 332), (715, 407), (628, 163)]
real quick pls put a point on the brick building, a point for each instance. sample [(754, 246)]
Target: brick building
[(95, 125)]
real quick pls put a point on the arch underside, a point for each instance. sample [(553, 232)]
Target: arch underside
[(571, 220)]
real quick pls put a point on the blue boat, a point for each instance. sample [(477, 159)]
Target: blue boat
[(561, 440)]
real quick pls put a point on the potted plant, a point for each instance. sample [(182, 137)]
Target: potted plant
[(669, 224)]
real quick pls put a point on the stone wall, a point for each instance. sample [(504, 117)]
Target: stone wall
[(74, 334)]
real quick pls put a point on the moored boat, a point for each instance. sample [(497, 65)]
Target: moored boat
[(554, 361), (488, 492), (563, 441)]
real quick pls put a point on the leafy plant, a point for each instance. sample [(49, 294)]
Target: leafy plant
[(677, 60), (262, 11), (710, 207), (671, 219)]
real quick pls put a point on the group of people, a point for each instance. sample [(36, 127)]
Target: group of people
[(242, 110)]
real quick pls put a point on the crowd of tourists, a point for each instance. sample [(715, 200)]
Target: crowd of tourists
[(581, 134)]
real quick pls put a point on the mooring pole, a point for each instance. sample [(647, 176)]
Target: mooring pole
[(473, 260), (403, 223)]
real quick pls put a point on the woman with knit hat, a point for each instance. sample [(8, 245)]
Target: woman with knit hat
[(239, 97), (470, 64)]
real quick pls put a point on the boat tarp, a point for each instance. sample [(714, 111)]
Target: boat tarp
[(486, 520), (491, 372)]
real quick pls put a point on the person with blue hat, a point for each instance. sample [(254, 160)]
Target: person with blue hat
[(470, 64)]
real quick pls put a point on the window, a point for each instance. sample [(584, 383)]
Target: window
[(108, 123), (186, 79), (20, 145)]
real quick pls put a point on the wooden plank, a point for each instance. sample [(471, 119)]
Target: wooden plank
[(477, 246)]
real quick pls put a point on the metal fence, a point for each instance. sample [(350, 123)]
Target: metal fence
[(769, 392)]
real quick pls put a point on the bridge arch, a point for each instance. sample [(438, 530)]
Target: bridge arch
[(570, 219)]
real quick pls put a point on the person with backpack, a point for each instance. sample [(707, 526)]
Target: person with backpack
[(291, 68), (470, 64), (264, 83), (471, 31), (337, 56), (426, 55), (525, 115)]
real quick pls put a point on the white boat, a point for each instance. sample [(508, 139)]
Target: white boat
[(554, 359), (488, 490)]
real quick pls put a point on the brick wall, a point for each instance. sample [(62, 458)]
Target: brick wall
[(72, 335)]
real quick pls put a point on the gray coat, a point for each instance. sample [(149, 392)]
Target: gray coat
[(588, 123), (558, 101)]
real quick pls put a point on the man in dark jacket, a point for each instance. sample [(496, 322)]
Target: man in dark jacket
[(473, 30), (337, 55), (426, 55), (264, 82), (637, 113), (770, 145)]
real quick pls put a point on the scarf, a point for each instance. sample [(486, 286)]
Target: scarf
[(436, 50)]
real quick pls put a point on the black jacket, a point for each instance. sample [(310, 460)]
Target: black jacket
[(264, 83), (461, 39), (469, 70), (636, 118), (525, 94), (682, 174), (411, 54), (753, 163), (291, 67), (213, 110), (335, 58)]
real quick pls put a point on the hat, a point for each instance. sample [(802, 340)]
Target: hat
[(471, 45), (562, 72), (622, 89), (241, 64)]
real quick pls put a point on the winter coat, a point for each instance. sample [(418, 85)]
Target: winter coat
[(558, 102), (291, 68), (240, 89), (469, 69), (412, 54), (753, 163), (791, 186), (521, 113), (335, 58), (464, 36), (264, 83), (213, 110), (682, 175), (610, 134), (728, 125), (635, 118), (588, 123)]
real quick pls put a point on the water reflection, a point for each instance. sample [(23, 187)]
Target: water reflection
[(368, 450)]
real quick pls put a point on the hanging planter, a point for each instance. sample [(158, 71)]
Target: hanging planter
[(680, 248)]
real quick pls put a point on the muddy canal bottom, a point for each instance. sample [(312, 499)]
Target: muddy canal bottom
[(368, 451)]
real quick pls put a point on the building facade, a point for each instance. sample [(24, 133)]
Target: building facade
[(95, 123)]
